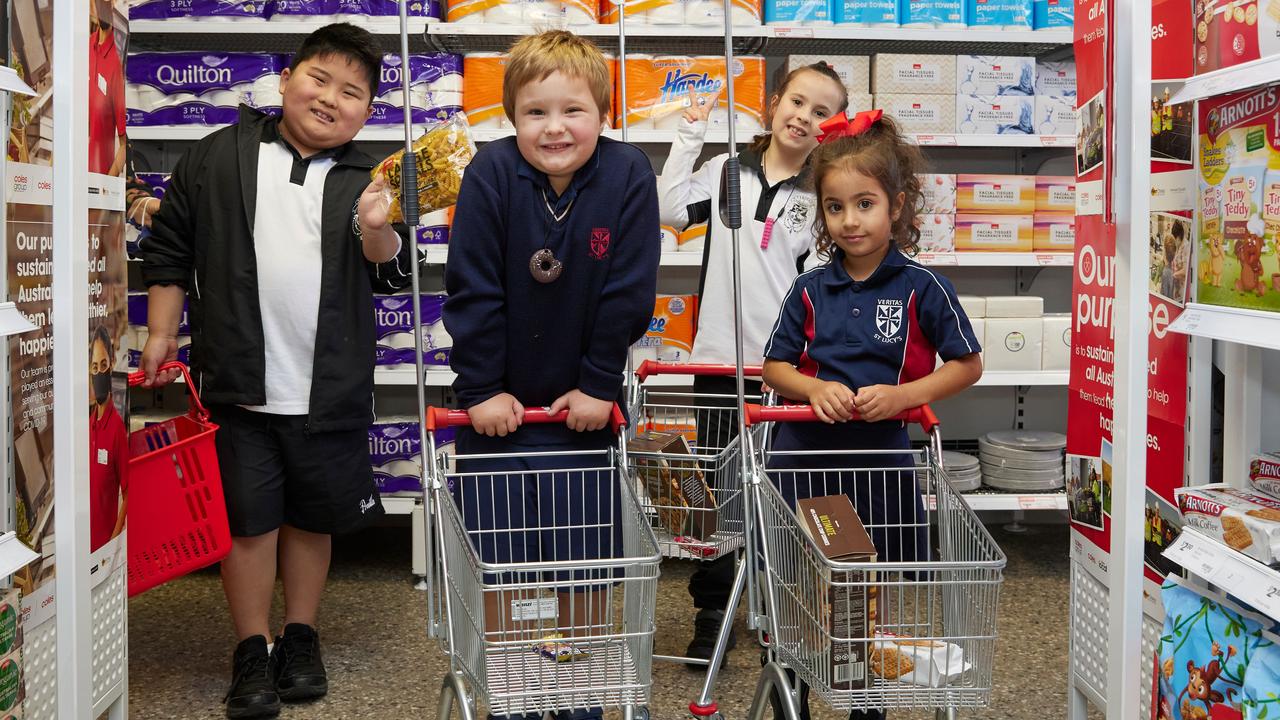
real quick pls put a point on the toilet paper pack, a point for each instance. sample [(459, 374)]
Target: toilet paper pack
[(393, 325), (711, 12), (939, 194), (866, 13), (854, 70), (388, 8), (670, 334), (994, 233), (995, 75), (395, 452), (937, 233), (1055, 115), (1013, 343), (917, 114), (136, 311), (199, 88), (932, 13), (158, 181), (306, 8), (1015, 194), (693, 238), (797, 12), (1054, 232), (435, 88), (995, 114), (1056, 78), (434, 229), (1003, 14), (1056, 352), (1047, 14), (482, 89), (225, 9), (913, 74)]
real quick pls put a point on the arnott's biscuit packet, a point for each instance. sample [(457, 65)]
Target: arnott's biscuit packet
[(442, 154)]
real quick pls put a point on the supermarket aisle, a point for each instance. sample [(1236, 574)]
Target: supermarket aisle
[(381, 664)]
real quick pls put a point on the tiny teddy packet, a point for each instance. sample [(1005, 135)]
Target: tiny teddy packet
[(1244, 521)]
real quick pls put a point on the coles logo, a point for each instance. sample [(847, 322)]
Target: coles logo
[(20, 183)]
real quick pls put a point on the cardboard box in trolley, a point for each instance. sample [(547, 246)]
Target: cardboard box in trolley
[(676, 485), (849, 606)]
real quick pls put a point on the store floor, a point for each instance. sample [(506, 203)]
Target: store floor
[(381, 665)]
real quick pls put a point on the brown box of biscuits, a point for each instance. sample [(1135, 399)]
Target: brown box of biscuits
[(835, 528), (1243, 520), (673, 480)]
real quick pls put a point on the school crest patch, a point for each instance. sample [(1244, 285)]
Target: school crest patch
[(599, 243), (889, 317)]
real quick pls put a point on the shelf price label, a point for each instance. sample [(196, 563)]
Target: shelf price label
[(793, 32), (937, 140), (939, 259), (1055, 141), (1192, 555), (1190, 320), (1037, 502)]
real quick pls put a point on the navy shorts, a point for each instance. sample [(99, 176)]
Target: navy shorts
[(275, 472), (888, 500), (533, 507)]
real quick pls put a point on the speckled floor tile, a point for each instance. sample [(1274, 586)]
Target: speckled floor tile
[(382, 665)]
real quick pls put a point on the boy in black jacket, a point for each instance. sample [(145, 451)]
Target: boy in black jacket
[(552, 271), (274, 230)]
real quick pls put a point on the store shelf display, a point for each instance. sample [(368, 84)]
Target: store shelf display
[(1256, 328), (1233, 572)]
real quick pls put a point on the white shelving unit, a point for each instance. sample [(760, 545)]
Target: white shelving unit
[(1233, 572), (1011, 502), (1219, 82), (1255, 328)]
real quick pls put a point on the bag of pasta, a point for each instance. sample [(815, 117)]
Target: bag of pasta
[(442, 154)]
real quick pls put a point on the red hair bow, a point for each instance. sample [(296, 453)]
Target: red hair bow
[(841, 126)]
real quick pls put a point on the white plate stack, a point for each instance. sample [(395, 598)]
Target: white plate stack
[(964, 471), (1023, 460)]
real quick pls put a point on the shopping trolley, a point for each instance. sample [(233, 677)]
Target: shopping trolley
[(868, 635), (529, 635)]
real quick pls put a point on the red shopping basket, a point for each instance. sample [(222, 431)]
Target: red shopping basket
[(177, 516)]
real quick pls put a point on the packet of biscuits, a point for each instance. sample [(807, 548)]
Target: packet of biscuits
[(441, 153), (1264, 474), (914, 661), (1243, 520)]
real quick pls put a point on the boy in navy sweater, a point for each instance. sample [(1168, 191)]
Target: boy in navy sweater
[(551, 277)]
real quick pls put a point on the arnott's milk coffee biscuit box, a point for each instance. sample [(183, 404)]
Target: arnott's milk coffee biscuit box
[(1245, 521)]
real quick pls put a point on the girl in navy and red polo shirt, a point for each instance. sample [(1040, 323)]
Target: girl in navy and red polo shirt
[(860, 335)]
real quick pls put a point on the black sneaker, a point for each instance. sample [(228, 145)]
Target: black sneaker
[(706, 626), (299, 671), (253, 691)]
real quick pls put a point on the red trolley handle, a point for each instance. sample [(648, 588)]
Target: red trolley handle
[(440, 418), (197, 408), (649, 368), (922, 415)]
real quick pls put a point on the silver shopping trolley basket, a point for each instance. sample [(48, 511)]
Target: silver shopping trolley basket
[(886, 633), (546, 578)]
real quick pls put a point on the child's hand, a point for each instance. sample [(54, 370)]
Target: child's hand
[(696, 111), (832, 402), (585, 412), (497, 416), (374, 207), (880, 402)]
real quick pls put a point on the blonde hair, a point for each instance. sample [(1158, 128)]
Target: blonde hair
[(534, 58)]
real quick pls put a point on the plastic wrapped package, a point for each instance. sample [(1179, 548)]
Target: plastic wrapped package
[(441, 153)]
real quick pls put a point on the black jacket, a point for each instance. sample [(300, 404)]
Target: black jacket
[(202, 240)]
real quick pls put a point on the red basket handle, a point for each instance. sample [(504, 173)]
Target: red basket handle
[(649, 368), (197, 408), (922, 415), (440, 418)]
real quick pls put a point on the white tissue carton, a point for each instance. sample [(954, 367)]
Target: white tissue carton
[(934, 663), (1013, 343), (995, 75), (919, 114), (1056, 78), (854, 70), (1015, 306), (995, 114), (1056, 354), (913, 74), (1055, 115), (975, 306)]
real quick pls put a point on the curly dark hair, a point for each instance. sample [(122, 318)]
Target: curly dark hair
[(883, 153)]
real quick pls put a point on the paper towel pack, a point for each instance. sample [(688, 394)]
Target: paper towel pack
[(866, 13), (797, 12), (932, 13), (1001, 14), (1052, 14)]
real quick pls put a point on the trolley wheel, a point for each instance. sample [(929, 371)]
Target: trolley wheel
[(642, 713)]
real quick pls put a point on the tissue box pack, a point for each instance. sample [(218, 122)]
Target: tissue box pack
[(913, 74), (393, 325), (939, 194), (995, 114), (1056, 78), (1055, 194), (1264, 474), (995, 75), (932, 13), (1015, 306), (1055, 115), (849, 605), (1005, 14), (854, 70), (1245, 521), (865, 13), (1014, 194), (671, 330), (937, 233), (199, 88), (1054, 232), (974, 306), (1047, 14), (1013, 343), (919, 114), (1056, 354), (435, 88), (859, 102), (994, 233)]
